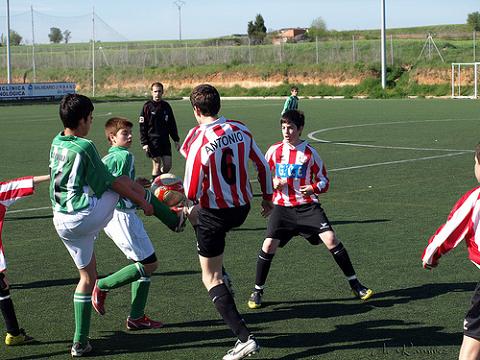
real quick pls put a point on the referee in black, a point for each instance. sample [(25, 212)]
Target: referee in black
[(157, 125)]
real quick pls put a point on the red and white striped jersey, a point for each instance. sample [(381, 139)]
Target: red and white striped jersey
[(297, 165), (216, 170), (11, 191), (462, 223)]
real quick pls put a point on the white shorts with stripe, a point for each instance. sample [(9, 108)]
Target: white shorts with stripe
[(79, 230), (128, 233)]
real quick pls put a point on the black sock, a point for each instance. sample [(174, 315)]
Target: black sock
[(225, 305), (341, 257), (263, 267), (154, 177), (8, 312)]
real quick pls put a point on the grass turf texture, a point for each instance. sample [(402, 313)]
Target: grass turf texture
[(383, 214)]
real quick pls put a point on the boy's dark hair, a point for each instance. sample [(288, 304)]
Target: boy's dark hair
[(159, 84), (477, 152), (73, 108), (294, 88), (206, 98), (293, 116), (114, 124)]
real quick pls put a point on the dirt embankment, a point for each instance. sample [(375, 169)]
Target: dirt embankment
[(115, 83)]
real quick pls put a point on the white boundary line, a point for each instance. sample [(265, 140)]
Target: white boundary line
[(27, 210), (451, 152)]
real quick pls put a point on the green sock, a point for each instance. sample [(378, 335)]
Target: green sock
[(162, 211), (140, 289), (82, 305), (122, 277)]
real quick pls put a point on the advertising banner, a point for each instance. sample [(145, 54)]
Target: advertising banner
[(36, 91)]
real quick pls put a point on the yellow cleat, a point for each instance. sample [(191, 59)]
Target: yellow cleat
[(21, 338), (255, 301), (362, 292)]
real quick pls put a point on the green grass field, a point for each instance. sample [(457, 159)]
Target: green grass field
[(386, 198)]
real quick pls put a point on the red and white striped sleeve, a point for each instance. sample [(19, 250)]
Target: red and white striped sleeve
[(12, 190), (320, 182), (263, 170), (194, 169), (461, 224)]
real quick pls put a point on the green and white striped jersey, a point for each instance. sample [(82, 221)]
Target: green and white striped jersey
[(119, 161), (290, 104), (76, 173)]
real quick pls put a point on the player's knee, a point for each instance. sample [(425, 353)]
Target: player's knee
[(329, 239), (270, 245)]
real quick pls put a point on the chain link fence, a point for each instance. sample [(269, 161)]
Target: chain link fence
[(123, 55)]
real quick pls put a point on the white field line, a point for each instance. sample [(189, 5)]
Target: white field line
[(399, 161), (27, 210)]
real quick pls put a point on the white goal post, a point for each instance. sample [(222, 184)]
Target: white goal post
[(465, 80)]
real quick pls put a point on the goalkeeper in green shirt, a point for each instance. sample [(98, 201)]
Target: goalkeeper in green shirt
[(84, 194)]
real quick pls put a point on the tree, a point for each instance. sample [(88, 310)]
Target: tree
[(15, 38), (257, 30), (318, 28), (67, 35), (55, 35), (473, 19)]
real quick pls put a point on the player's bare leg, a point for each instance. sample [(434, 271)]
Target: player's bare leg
[(470, 349), (88, 275)]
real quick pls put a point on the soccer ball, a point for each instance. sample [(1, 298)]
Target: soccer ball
[(168, 188)]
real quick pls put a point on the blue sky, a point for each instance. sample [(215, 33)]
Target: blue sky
[(149, 19)]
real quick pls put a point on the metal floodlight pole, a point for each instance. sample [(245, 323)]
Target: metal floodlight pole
[(9, 63), (33, 48), (383, 52), (93, 52), (179, 4)]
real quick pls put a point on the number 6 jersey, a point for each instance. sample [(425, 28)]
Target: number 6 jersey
[(216, 170)]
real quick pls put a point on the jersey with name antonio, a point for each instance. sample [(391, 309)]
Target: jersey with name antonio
[(297, 165), (216, 170), (76, 173), (10, 192), (119, 161)]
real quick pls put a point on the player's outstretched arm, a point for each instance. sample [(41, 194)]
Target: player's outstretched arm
[(128, 188), (40, 179)]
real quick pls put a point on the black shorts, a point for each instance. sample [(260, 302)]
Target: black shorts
[(306, 220), (213, 225), (159, 147), (471, 325)]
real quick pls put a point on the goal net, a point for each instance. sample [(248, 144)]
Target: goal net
[(465, 80)]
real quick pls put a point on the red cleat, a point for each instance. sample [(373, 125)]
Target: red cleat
[(98, 299), (143, 323)]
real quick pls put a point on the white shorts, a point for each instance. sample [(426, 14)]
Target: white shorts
[(3, 262), (128, 233), (78, 231)]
